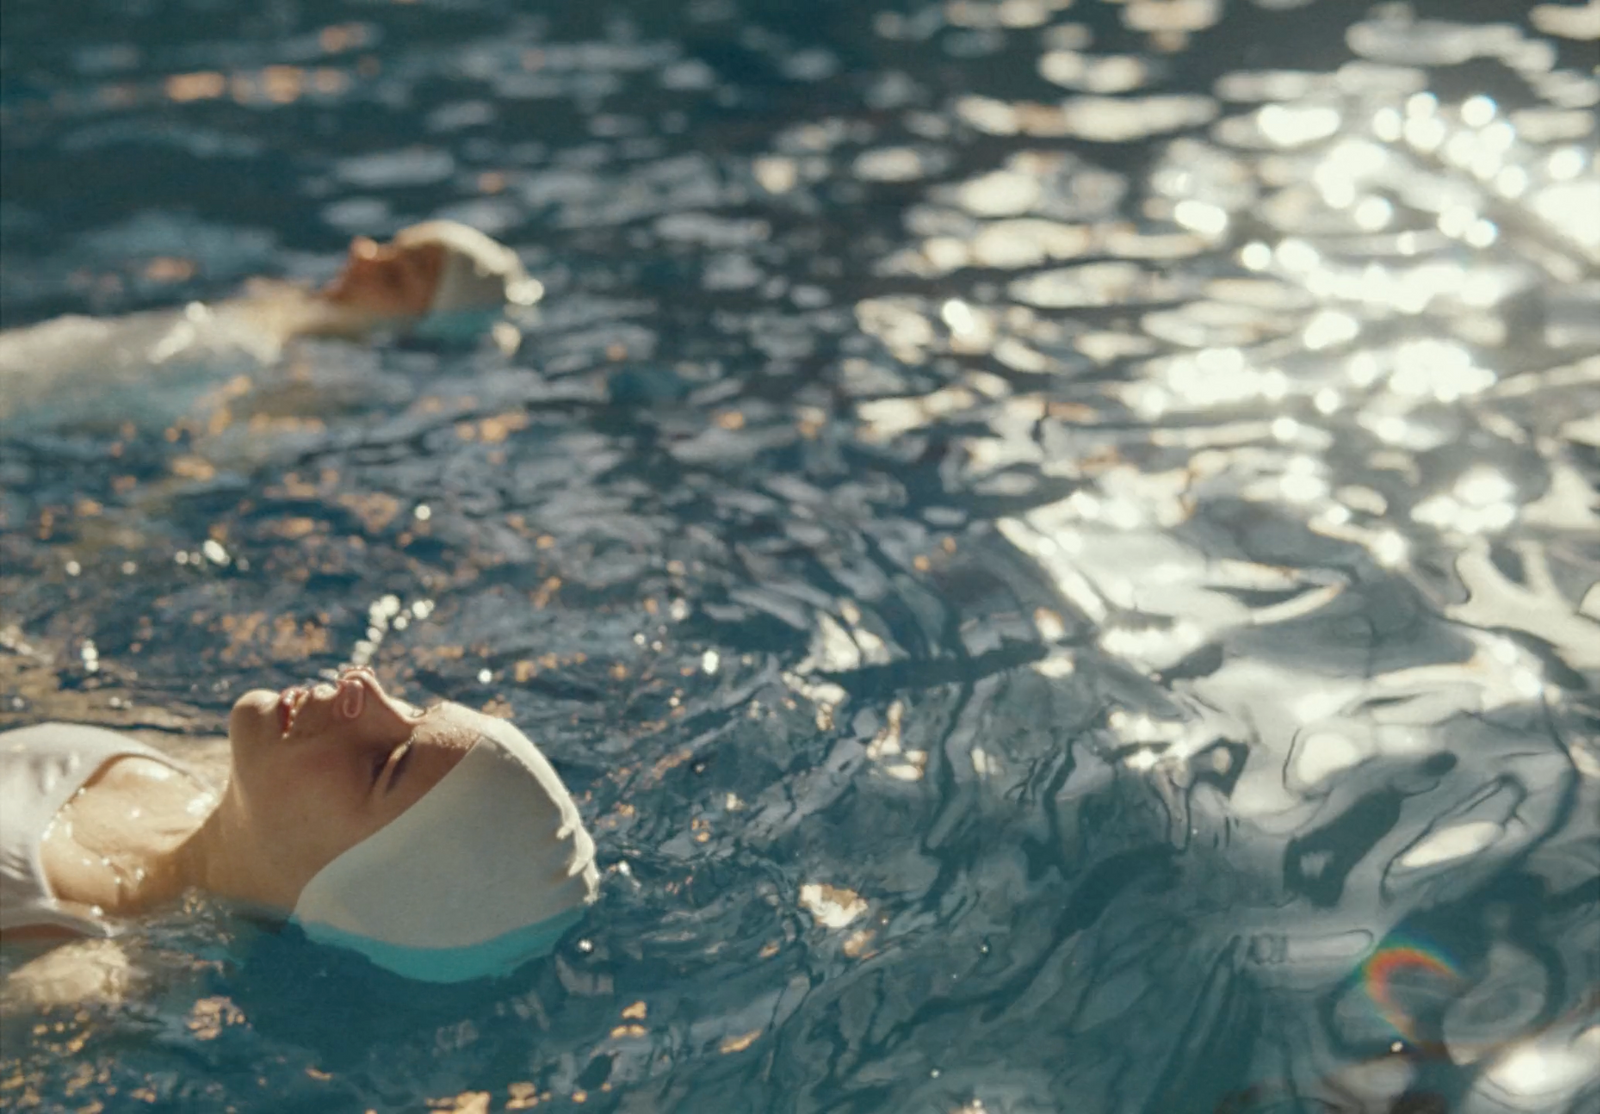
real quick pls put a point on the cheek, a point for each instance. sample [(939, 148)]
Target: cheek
[(422, 280), (368, 281), (305, 806)]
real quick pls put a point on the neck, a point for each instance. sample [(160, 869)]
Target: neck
[(325, 318), (202, 862), (216, 859), (165, 871), (288, 311)]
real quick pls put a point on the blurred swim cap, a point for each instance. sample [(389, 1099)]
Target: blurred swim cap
[(479, 274), (487, 870)]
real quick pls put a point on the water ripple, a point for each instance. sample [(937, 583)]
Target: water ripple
[(1058, 563)]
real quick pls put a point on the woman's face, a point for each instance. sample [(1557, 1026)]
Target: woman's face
[(318, 769), (388, 281)]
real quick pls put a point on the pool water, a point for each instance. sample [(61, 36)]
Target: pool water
[(1055, 544)]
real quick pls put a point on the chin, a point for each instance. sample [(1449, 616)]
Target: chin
[(254, 717)]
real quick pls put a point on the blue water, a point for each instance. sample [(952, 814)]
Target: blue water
[(1055, 545)]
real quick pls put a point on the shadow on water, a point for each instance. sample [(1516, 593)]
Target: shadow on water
[(1055, 544)]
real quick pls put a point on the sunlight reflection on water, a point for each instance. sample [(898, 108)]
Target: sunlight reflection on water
[(1059, 564)]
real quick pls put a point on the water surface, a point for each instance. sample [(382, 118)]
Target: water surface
[(1055, 544)]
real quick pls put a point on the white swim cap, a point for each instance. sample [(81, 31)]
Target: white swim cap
[(479, 273), (487, 870)]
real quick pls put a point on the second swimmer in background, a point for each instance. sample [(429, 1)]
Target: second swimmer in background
[(438, 276)]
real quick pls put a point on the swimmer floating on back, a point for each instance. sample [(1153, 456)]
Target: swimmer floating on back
[(439, 844), (437, 276)]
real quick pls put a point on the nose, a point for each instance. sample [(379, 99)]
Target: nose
[(362, 675), (352, 697), (364, 681), (345, 697)]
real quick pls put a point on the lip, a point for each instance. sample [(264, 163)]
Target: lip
[(290, 701)]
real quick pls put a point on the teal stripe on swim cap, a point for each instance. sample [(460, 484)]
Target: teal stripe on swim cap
[(499, 956), (457, 326)]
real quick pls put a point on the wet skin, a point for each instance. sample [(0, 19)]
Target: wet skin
[(314, 770), (318, 769)]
